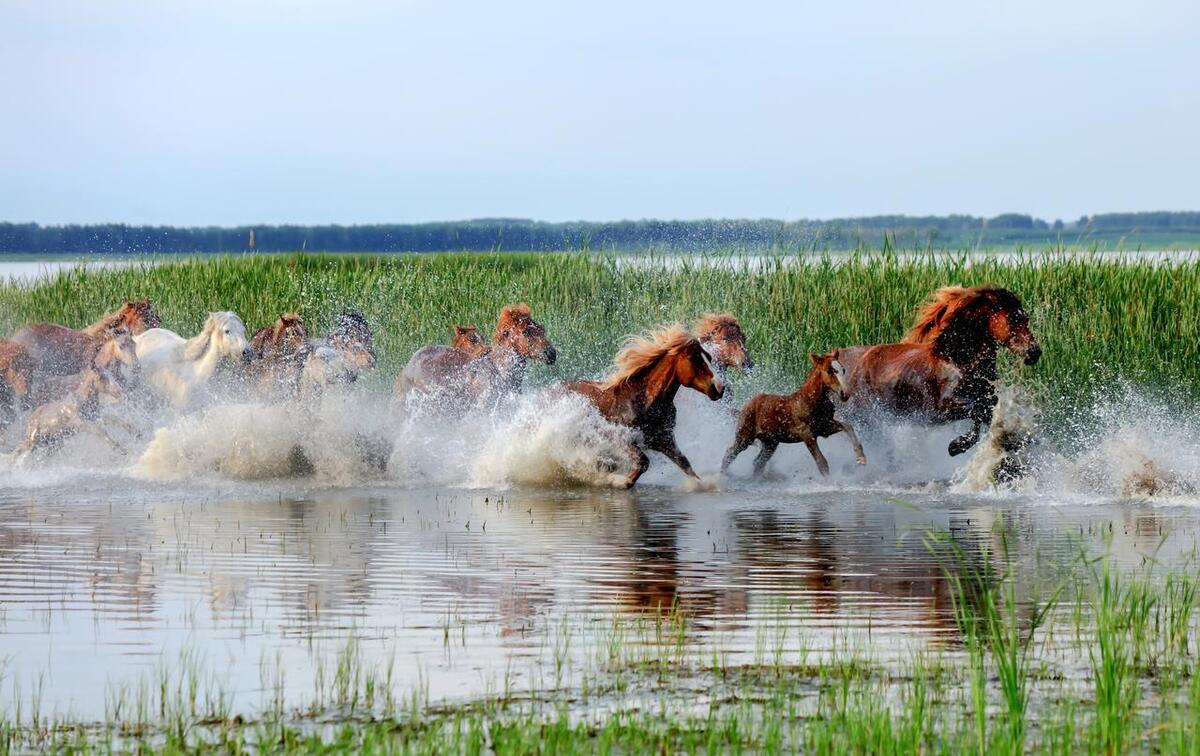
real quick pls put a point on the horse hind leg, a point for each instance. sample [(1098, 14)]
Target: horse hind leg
[(740, 443), (764, 456)]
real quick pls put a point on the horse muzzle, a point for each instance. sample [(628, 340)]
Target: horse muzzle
[(1033, 354), (716, 390), (549, 356)]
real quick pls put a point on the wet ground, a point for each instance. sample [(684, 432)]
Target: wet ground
[(104, 581)]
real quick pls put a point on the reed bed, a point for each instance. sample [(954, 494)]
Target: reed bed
[(1099, 318)]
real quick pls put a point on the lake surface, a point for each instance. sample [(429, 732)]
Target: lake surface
[(104, 584)]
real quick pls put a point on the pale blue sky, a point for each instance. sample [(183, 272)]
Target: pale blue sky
[(240, 111)]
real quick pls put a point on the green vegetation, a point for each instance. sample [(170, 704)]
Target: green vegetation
[(1099, 319), (1092, 663)]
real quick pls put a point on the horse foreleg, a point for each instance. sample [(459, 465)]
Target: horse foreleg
[(822, 464), (859, 456), (640, 463), (764, 456), (668, 449)]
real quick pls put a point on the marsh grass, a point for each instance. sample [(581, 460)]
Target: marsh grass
[(1099, 317)]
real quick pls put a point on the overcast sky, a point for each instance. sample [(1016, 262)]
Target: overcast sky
[(239, 111)]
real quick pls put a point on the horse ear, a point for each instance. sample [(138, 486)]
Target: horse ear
[(459, 330), (816, 358)]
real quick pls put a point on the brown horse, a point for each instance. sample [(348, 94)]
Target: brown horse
[(271, 361), (116, 358), (16, 372), (53, 422), (722, 335), (803, 416), (468, 339), (641, 391), (58, 350), (945, 369), (462, 379)]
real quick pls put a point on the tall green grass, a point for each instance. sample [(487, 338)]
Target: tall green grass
[(1097, 317)]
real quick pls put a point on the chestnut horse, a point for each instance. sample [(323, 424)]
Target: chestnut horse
[(58, 350), (463, 379), (271, 361), (803, 416), (641, 392), (468, 339), (117, 358), (722, 336), (945, 369)]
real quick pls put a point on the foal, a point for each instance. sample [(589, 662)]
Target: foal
[(803, 416), (468, 339), (53, 422)]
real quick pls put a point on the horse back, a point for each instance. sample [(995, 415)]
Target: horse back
[(435, 365), (56, 349), (903, 377)]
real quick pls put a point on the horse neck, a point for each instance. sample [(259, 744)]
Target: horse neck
[(508, 363), (657, 384), (206, 364), (968, 349), (97, 329), (813, 390)]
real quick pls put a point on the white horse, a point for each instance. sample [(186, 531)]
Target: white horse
[(178, 367)]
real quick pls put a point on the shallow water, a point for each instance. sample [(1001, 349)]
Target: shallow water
[(102, 583), (491, 549)]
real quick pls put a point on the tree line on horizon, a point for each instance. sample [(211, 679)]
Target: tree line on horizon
[(950, 231)]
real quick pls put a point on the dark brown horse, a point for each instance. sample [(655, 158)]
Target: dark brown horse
[(58, 350), (945, 369), (803, 416), (641, 392), (461, 379), (722, 335)]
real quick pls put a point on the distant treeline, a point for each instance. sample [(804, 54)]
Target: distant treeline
[(516, 234)]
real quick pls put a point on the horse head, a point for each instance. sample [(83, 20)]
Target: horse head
[(288, 335), (138, 317), (519, 333), (468, 339), (833, 374), (1008, 325), (723, 336), (694, 369), (119, 355), (352, 336), (223, 332)]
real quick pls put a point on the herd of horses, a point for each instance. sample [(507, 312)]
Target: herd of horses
[(942, 371)]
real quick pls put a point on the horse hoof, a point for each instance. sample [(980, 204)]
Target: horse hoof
[(861, 461), (958, 446)]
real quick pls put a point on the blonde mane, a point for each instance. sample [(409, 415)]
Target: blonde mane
[(710, 322), (942, 309), (640, 352)]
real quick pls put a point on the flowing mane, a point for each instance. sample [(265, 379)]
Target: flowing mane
[(947, 305), (641, 352), (711, 322)]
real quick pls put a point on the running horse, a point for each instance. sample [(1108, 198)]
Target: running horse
[(58, 350), (462, 378), (272, 362), (945, 369), (641, 392)]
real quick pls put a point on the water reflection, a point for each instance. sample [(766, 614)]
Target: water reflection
[(459, 582)]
